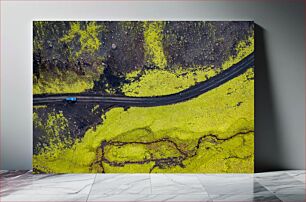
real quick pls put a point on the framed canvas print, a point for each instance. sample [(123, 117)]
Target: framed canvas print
[(143, 96)]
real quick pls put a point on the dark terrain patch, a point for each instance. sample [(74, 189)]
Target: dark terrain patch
[(80, 118), (203, 43), (122, 48)]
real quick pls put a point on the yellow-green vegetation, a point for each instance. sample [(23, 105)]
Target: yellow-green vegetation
[(153, 36), (81, 38), (88, 37), (244, 48), (65, 81), (40, 106), (55, 141), (37, 43), (214, 130), (164, 82), (94, 109), (139, 152)]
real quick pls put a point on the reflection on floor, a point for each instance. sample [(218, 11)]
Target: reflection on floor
[(272, 186)]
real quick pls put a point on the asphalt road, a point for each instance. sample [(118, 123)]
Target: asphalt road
[(194, 91)]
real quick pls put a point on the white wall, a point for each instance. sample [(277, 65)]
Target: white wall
[(280, 89)]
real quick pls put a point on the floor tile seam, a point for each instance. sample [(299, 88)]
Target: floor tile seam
[(208, 194), (91, 187), (271, 191)]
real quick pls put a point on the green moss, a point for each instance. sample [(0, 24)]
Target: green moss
[(214, 130), (94, 109), (130, 152), (40, 106), (56, 139), (219, 158), (88, 37), (244, 48), (164, 82), (140, 152), (153, 36), (69, 81), (215, 112), (38, 31), (37, 122), (65, 82)]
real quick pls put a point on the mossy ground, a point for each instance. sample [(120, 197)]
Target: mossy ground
[(78, 43), (164, 82), (65, 82), (153, 37), (88, 37), (226, 112), (212, 133)]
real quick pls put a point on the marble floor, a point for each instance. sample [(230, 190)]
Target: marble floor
[(270, 186)]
